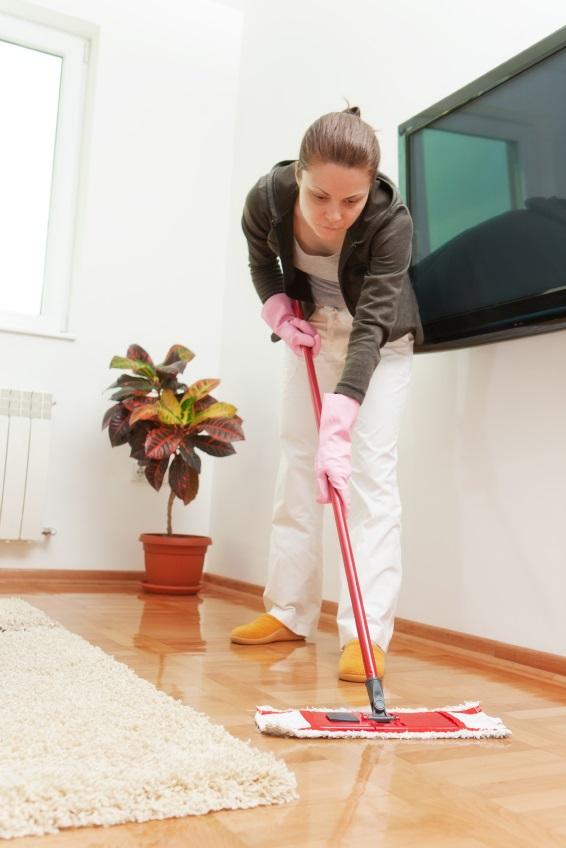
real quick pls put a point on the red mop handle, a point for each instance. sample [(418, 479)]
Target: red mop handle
[(341, 527)]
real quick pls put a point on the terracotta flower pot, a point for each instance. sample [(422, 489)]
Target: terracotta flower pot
[(173, 564)]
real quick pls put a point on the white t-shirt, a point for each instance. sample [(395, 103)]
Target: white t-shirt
[(322, 273)]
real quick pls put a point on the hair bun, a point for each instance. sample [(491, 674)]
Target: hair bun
[(353, 110)]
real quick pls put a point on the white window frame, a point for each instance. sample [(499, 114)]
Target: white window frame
[(74, 51)]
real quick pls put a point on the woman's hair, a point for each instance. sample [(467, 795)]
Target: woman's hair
[(342, 138)]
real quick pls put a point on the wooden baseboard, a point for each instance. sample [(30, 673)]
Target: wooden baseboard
[(68, 580), (68, 574), (65, 580), (229, 583), (552, 663), (218, 580)]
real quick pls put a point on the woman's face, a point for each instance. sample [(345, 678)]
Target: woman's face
[(331, 197)]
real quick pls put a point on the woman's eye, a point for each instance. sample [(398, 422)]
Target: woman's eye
[(349, 202)]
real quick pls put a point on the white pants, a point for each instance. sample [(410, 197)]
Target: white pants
[(294, 586)]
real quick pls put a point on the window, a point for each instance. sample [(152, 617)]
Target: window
[(469, 178), (43, 73)]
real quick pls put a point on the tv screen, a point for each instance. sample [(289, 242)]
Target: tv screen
[(484, 175)]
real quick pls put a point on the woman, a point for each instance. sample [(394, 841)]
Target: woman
[(332, 232)]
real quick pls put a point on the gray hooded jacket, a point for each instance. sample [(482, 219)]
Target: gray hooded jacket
[(372, 271)]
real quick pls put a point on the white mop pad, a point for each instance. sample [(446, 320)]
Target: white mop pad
[(464, 721)]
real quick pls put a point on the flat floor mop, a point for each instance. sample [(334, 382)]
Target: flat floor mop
[(466, 721)]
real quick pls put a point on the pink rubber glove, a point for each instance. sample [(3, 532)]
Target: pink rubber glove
[(334, 456), (278, 313)]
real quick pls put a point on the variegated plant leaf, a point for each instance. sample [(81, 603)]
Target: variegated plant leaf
[(204, 403), (155, 472), (169, 409), (145, 412), (137, 438), (135, 365), (141, 384), (123, 394), (216, 410), (135, 351), (188, 455), (118, 426), (187, 411), (135, 402), (183, 480), (224, 429), (162, 442), (212, 446), (108, 414), (200, 389), (177, 353)]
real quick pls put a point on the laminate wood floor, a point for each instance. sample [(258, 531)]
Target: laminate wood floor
[(508, 793)]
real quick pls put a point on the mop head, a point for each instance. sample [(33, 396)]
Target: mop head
[(465, 721)]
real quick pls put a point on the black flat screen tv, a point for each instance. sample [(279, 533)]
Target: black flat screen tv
[(484, 175)]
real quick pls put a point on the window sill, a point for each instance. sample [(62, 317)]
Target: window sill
[(44, 333)]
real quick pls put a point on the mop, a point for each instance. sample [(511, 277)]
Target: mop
[(463, 721)]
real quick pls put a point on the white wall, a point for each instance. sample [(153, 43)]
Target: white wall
[(483, 456), (174, 139), (150, 261)]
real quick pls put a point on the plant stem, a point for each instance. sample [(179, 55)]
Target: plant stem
[(170, 512)]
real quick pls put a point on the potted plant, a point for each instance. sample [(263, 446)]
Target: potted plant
[(165, 422)]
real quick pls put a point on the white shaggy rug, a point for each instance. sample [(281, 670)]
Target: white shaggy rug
[(85, 741)]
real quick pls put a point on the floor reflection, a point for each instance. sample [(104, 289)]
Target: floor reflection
[(166, 631)]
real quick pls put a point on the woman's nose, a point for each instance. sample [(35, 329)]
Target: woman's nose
[(333, 215)]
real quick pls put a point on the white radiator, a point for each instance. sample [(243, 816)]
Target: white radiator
[(25, 434)]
